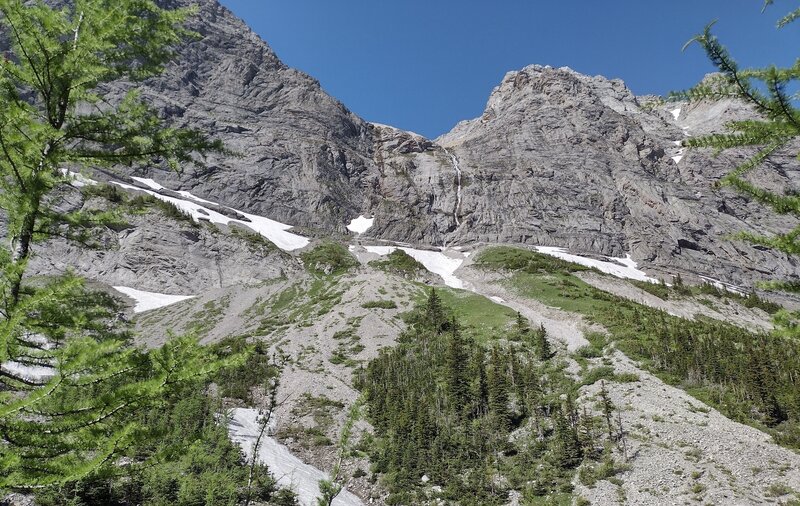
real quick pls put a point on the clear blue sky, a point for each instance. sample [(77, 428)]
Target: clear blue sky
[(424, 65)]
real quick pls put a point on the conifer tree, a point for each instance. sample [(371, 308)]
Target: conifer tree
[(541, 344), (479, 389), (768, 91), (521, 328), (456, 362), (434, 317), (566, 444), (498, 391), (70, 382), (608, 409)]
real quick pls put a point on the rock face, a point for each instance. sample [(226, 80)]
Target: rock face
[(557, 158), (566, 159), (300, 155)]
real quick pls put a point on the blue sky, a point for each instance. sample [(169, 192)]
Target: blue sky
[(425, 65)]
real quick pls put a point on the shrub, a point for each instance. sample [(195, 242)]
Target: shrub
[(380, 304), (329, 258)]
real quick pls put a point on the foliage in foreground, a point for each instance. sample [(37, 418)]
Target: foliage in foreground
[(769, 91), (192, 461), (72, 388)]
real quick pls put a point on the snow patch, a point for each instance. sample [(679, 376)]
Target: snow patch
[(435, 261), (721, 285), (77, 179), (676, 113), (146, 301), (628, 268), (272, 230), (188, 195), (148, 182), (288, 470), (360, 224)]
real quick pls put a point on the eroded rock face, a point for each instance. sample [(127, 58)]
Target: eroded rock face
[(300, 155), (557, 158), (576, 161)]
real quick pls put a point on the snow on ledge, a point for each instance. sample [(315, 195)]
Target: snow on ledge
[(360, 224), (435, 261), (272, 230), (148, 182), (676, 113), (146, 301), (628, 268), (77, 179)]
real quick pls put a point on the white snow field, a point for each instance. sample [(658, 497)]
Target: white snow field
[(290, 471), (272, 230), (435, 261), (146, 301), (360, 224), (627, 270)]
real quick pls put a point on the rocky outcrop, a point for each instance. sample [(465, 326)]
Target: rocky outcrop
[(154, 252)]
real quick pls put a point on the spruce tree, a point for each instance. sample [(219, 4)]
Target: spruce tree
[(434, 317), (70, 382), (608, 409), (456, 362), (498, 391), (479, 389), (541, 344), (767, 90), (521, 328), (566, 444)]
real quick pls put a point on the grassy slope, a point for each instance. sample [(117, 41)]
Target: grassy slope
[(551, 283)]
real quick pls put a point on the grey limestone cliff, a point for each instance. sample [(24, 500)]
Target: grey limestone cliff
[(557, 158)]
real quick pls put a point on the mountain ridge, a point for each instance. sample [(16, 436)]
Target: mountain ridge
[(308, 161)]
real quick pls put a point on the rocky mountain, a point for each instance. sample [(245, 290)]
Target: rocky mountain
[(259, 246), (557, 158)]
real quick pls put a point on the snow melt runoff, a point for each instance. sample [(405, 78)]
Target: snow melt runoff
[(288, 470)]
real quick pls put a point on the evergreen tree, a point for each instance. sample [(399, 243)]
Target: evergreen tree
[(479, 389), (71, 384), (586, 432), (434, 317), (566, 444), (456, 362), (498, 391), (541, 344), (521, 328), (778, 124), (608, 409)]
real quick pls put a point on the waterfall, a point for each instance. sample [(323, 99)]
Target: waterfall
[(457, 168)]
